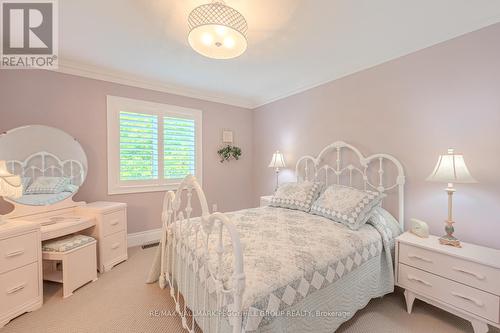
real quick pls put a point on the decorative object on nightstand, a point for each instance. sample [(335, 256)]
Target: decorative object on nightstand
[(277, 162), (450, 169), (419, 228), (462, 281), (10, 186)]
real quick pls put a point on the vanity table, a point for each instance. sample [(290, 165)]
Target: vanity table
[(45, 158)]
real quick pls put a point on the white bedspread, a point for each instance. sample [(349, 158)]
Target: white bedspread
[(292, 257)]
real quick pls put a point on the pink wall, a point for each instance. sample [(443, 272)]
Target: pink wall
[(78, 106), (414, 108)]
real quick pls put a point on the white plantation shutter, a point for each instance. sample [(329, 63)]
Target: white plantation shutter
[(151, 146), (179, 144), (138, 146)]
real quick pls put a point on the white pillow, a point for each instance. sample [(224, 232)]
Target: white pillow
[(298, 196), (347, 205), (48, 185)]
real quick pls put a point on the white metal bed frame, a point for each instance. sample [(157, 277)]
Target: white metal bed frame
[(179, 231), (47, 164)]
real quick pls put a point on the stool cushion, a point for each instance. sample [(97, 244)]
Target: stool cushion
[(66, 243)]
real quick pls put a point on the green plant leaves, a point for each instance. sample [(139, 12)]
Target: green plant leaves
[(228, 153)]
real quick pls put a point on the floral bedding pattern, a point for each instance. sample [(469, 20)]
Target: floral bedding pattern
[(298, 196), (347, 205), (289, 254)]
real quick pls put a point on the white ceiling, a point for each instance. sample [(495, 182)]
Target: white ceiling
[(293, 44)]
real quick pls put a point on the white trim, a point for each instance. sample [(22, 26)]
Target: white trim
[(143, 237), (103, 74), (114, 106)]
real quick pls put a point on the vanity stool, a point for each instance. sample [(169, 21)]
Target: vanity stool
[(70, 260)]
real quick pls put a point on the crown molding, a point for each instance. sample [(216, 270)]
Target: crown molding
[(102, 74)]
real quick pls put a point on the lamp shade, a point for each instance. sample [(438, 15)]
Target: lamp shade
[(451, 168), (10, 185), (277, 161), (217, 31)]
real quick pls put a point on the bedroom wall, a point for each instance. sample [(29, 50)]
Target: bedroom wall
[(78, 106), (414, 108)]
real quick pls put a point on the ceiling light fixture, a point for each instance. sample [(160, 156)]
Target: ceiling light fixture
[(217, 31)]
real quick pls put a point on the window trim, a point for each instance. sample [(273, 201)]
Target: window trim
[(116, 104)]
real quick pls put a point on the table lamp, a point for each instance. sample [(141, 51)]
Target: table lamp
[(450, 169), (10, 185), (277, 162)]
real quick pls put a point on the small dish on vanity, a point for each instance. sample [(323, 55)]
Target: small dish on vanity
[(463, 281)]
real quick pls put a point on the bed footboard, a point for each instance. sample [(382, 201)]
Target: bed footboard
[(204, 282)]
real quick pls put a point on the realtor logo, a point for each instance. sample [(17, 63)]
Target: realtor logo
[(29, 34)]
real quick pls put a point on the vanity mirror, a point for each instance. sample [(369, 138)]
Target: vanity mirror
[(51, 163)]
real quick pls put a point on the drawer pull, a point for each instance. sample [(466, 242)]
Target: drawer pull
[(115, 222), (115, 246), (412, 278), (413, 256), (14, 254), (478, 276), (473, 300), (16, 289)]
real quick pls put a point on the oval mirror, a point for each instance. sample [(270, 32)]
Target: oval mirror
[(51, 163)]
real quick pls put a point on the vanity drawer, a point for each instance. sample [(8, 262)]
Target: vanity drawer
[(18, 287), (114, 247), (114, 222), (456, 294), (18, 251), (467, 272)]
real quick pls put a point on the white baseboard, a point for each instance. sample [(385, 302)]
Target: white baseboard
[(143, 237)]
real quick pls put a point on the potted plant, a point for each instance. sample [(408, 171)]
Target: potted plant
[(228, 153)]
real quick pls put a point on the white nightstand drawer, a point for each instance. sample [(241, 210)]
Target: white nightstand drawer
[(114, 222), (114, 247), (18, 287), (467, 272), (456, 294), (18, 251)]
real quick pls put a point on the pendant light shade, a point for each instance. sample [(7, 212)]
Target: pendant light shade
[(217, 31)]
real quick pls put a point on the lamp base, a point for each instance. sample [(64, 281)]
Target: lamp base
[(449, 239)]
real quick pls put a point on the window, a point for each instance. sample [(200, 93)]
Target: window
[(151, 146)]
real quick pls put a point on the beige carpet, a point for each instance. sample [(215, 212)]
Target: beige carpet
[(120, 302)]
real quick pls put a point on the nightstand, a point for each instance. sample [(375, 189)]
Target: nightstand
[(110, 232), (463, 281), (265, 200)]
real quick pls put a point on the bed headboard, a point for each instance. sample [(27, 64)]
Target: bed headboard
[(47, 164), (379, 172)]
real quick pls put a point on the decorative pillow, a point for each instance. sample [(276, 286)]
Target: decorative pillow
[(347, 205), (298, 196), (48, 185)]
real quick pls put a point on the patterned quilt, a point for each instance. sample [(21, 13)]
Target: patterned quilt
[(290, 254)]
